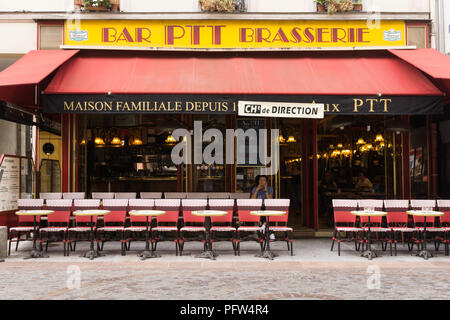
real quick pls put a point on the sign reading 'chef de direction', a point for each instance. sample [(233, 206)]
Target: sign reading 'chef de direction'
[(280, 109)]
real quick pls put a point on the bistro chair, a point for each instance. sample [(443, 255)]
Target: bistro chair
[(167, 223), (102, 195), (151, 195), (25, 223), (82, 226), (74, 195), (218, 195), (58, 223), (444, 206), (344, 221), (240, 195), (397, 221), (50, 195), (196, 195), (431, 222), (375, 222), (137, 229), (125, 195), (223, 224), (248, 223), (174, 195), (192, 224), (281, 221), (114, 223)]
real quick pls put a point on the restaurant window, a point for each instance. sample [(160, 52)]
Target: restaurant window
[(50, 37), (417, 36), (358, 157), (418, 157)]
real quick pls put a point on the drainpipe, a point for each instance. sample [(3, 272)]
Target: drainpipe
[(440, 27)]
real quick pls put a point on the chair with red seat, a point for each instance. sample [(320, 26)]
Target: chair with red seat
[(50, 195), (344, 221), (125, 195), (431, 222), (136, 230), (114, 223), (25, 223), (280, 222), (192, 224), (151, 195), (248, 223), (102, 195), (223, 224), (397, 221), (444, 206), (167, 223), (375, 222), (58, 223), (82, 226)]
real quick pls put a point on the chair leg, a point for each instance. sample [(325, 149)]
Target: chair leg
[(291, 243), (18, 240), (339, 243), (9, 244), (333, 240)]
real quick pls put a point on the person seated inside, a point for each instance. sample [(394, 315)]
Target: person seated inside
[(261, 188), (364, 184), (327, 184)]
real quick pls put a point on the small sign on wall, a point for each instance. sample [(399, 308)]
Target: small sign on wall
[(280, 109)]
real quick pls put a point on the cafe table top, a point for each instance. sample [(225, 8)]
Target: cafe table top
[(368, 213), (91, 212), (268, 213), (425, 213), (146, 213), (34, 212), (209, 213)]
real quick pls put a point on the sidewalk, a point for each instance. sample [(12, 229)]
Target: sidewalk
[(313, 273)]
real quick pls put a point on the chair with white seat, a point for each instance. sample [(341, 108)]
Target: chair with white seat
[(74, 195), (281, 221), (167, 223), (192, 224), (151, 195), (114, 223), (344, 221), (102, 195), (50, 195), (125, 195), (175, 195), (431, 222), (136, 230), (248, 223), (223, 224), (375, 222), (444, 206), (397, 221)]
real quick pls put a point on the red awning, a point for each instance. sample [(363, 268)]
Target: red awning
[(287, 73), (18, 82), (430, 61)]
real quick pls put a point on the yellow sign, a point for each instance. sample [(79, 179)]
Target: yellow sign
[(233, 34)]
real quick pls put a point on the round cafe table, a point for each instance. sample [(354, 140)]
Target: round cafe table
[(267, 213), (368, 213), (92, 253), (424, 253), (35, 253), (208, 253), (147, 253)]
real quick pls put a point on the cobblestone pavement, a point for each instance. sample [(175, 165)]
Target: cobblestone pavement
[(313, 273)]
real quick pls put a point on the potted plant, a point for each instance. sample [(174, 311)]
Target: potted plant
[(339, 6), (321, 4), (97, 5), (77, 4), (115, 5), (222, 5), (357, 5)]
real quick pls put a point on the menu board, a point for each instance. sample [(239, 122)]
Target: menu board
[(9, 184)]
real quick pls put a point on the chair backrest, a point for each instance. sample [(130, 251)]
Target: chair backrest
[(245, 206), (118, 208), (174, 195), (372, 204), (396, 211), (240, 195), (151, 195), (278, 205), (62, 209), (74, 195), (196, 195), (418, 205), (218, 195), (342, 208), (444, 206), (86, 204), (102, 195), (125, 195), (50, 195), (172, 208), (189, 205), (222, 205), (29, 204)]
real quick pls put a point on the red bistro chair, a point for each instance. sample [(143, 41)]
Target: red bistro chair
[(137, 228), (74, 195), (102, 195), (125, 195), (344, 221), (397, 221), (58, 223), (151, 195), (248, 223), (114, 223), (223, 224), (281, 221), (50, 195), (167, 223), (25, 223), (82, 224), (192, 224), (375, 222), (444, 206), (431, 222)]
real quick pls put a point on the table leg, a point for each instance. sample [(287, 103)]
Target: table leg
[(267, 253), (208, 253), (35, 253), (369, 254), (424, 253), (147, 253), (92, 253)]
